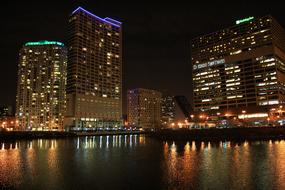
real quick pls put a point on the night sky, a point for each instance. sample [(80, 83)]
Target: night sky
[(156, 37)]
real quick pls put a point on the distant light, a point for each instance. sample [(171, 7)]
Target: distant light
[(44, 43), (254, 115), (244, 20)]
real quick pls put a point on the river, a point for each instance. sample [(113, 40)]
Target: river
[(139, 162)]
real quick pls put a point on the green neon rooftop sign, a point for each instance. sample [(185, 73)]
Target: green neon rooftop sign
[(44, 43), (244, 20)]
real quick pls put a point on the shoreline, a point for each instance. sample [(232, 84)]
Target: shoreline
[(212, 134), (29, 135), (226, 134)]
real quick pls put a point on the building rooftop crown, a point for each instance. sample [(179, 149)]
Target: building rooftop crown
[(45, 42), (106, 20)]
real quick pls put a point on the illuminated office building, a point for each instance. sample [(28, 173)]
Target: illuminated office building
[(94, 71), (240, 66), (41, 97), (144, 108), (167, 109)]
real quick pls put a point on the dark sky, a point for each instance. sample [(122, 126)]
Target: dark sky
[(156, 36)]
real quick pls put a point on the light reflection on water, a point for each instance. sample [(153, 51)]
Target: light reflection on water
[(225, 165), (139, 162), (24, 161)]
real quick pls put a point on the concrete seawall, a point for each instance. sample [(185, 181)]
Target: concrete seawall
[(15, 135), (214, 134)]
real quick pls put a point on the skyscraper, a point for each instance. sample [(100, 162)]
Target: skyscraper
[(239, 67), (144, 108), (94, 72), (167, 109), (41, 97)]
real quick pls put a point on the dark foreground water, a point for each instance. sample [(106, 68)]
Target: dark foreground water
[(138, 162)]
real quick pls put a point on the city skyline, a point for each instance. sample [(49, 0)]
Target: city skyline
[(138, 95), (161, 56)]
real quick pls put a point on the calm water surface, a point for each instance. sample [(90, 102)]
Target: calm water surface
[(139, 162)]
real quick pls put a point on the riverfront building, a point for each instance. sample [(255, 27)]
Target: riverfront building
[(144, 108), (167, 109), (94, 71), (41, 97), (240, 67)]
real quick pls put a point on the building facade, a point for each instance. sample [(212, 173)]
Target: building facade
[(41, 97), (167, 109), (94, 72), (239, 67), (144, 108)]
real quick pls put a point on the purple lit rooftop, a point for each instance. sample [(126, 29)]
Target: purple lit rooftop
[(106, 20)]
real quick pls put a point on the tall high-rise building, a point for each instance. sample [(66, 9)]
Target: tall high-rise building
[(239, 67), (94, 71), (144, 108), (41, 97), (167, 109)]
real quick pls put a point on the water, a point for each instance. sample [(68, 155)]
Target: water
[(139, 162)]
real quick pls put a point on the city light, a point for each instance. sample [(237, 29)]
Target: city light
[(44, 43), (106, 20), (254, 115), (74, 123), (244, 20)]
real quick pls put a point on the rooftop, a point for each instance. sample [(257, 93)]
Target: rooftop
[(106, 20), (45, 42)]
